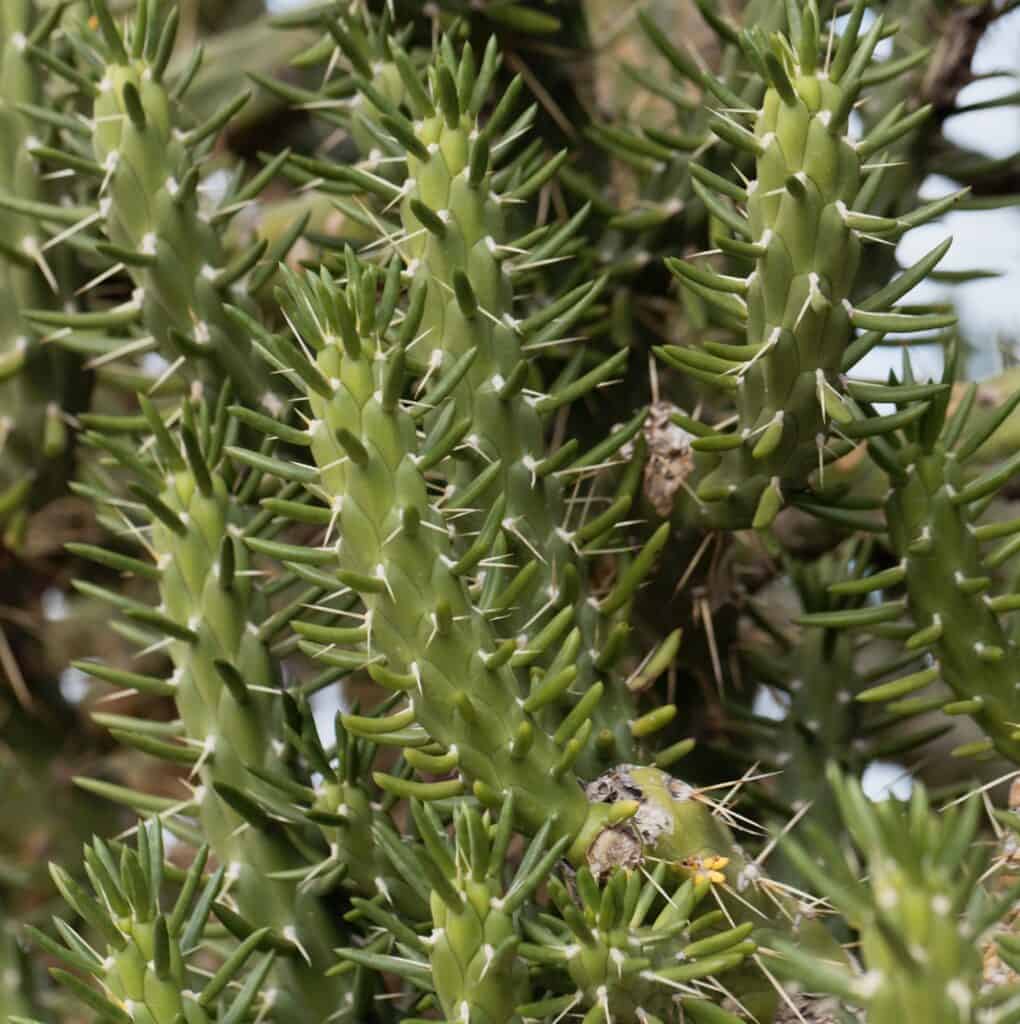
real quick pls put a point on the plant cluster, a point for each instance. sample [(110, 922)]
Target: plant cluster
[(459, 466)]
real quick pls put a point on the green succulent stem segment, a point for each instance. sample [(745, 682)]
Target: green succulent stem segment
[(462, 181), (424, 634), (947, 584), (36, 381), (802, 236), (217, 612), (457, 246), (818, 674), (154, 215), (472, 951), (148, 975), (917, 911), (943, 596)]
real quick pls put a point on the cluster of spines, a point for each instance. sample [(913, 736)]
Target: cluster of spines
[(149, 971), (142, 159), (802, 234), (213, 620)]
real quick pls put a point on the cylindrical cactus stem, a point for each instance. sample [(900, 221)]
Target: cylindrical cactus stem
[(37, 382), (159, 224), (944, 580), (220, 609), (226, 687), (457, 249), (472, 952), (464, 175), (815, 674), (948, 582), (148, 975), (919, 959), (423, 633), (802, 237)]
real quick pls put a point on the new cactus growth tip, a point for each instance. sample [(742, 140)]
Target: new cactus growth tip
[(512, 570)]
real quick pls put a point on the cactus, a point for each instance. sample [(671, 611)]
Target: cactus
[(920, 896), (945, 568), (150, 964), (216, 631), (145, 155), (463, 180), (803, 235), (416, 490)]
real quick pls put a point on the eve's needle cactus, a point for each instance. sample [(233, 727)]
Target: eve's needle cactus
[(149, 970), (376, 476), (137, 143), (919, 914), (802, 236), (225, 680), (465, 175), (949, 615)]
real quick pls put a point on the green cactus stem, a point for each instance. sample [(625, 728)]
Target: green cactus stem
[(37, 386), (802, 236), (212, 619), (424, 633), (634, 945), (145, 155), (949, 616), (683, 827), (818, 673), (917, 911), (465, 174), (150, 972)]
